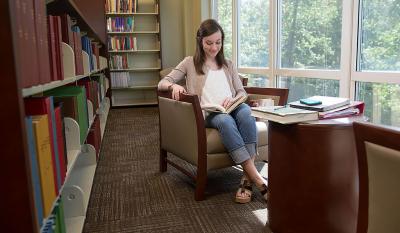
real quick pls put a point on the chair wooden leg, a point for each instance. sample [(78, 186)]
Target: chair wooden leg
[(163, 160), (201, 181)]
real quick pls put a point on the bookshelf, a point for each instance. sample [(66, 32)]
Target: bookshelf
[(30, 72), (134, 52)]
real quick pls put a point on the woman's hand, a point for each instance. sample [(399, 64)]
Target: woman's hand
[(227, 101), (176, 91)]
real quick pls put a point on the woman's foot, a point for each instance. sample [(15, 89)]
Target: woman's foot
[(243, 195), (263, 190)]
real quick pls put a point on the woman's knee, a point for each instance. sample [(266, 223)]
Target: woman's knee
[(244, 112), (223, 120)]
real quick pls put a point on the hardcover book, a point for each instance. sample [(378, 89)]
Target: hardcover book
[(41, 106), (75, 108), (33, 159), (284, 114), (43, 149), (219, 108), (328, 103)]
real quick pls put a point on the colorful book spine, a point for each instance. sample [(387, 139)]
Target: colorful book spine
[(37, 194), (40, 106), (43, 148)]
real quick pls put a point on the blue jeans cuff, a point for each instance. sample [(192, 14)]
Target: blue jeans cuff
[(251, 148), (240, 155)]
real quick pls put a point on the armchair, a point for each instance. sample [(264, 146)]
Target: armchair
[(378, 151), (183, 134)]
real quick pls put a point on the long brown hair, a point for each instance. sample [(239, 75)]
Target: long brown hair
[(207, 27)]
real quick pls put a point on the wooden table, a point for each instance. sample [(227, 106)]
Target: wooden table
[(313, 178)]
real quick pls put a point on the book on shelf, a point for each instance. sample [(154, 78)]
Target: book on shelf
[(61, 143), (94, 136), (284, 114), (42, 41), (219, 108), (327, 103), (45, 106), (33, 161), (43, 149), (26, 50), (355, 108), (74, 105)]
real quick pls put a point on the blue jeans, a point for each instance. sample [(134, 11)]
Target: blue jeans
[(238, 132)]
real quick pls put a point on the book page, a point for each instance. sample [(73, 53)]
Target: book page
[(219, 108), (213, 108), (235, 103)]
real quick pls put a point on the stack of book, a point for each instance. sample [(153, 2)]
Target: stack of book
[(310, 109), (330, 107), (284, 114)]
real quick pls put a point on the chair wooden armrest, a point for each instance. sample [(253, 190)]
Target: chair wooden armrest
[(279, 95)]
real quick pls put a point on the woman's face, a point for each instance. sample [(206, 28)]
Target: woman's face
[(212, 44)]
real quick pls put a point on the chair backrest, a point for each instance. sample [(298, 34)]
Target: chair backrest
[(378, 151), (181, 126)]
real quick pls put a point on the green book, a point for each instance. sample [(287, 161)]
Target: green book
[(60, 216), (78, 104)]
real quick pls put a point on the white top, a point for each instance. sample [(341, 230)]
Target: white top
[(216, 88)]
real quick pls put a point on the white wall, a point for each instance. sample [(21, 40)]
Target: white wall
[(179, 22), (172, 32)]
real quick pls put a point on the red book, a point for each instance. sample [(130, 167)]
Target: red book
[(42, 41), (61, 142), (66, 24), (95, 49), (52, 46), (94, 136), (78, 53), (26, 44), (355, 108), (95, 95), (42, 106), (59, 53)]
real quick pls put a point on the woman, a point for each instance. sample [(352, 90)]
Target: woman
[(216, 81)]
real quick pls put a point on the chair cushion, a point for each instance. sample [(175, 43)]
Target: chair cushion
[(214, 143)]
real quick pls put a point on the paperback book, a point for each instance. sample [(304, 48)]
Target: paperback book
[(219, 108), (284, 114)]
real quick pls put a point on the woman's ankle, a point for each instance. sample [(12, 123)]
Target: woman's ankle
[(261, 183)]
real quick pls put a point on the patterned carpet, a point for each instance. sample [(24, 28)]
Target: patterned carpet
[(129, 193)]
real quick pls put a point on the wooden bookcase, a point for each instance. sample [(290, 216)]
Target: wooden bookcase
[(135, 83), (18, 212)]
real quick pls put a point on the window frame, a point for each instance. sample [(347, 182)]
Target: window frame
[(348, 74)]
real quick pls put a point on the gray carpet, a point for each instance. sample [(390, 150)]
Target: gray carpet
[(129, 193)]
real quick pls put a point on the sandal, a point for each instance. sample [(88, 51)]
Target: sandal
[(264, 191), (246, 188)]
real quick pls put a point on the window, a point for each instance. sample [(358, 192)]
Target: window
[(306, 87), (309, 39), (253, 32), (381, 101), (310, 34), (346, 48), (380, 35), (378, 60), (256, 80), (224, 18)]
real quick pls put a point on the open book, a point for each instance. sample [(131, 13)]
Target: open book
[(218, 108)]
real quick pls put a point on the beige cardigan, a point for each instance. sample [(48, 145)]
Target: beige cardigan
[(195, 82)]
